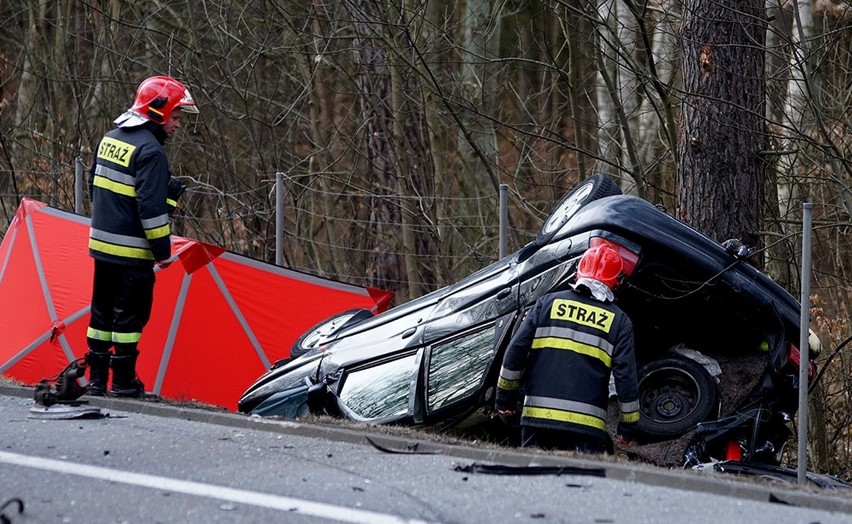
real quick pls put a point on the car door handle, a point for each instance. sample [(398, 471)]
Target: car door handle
[(408, 332), (504, 293)]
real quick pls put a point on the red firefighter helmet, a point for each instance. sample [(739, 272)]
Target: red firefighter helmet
[(601, 263), (156, 99)]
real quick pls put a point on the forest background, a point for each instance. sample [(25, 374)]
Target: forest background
[(395, 121)]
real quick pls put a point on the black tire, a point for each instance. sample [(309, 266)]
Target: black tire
[(321, 331), (675, 394), (593, 188)]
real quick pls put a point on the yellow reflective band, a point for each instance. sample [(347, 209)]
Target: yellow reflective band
[(508, 385), (629, 417), (170, 202), (115, 187), (570, 345), (126, 338), (120, 251), (116, 151), (564, 416), (158, 232), (98, 334), (583, 314)]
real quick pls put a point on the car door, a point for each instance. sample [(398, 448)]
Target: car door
[(460, 371)]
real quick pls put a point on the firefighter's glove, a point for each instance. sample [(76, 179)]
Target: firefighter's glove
[(510, 417), (628, 432), (506, 400), (507, 406), (176, 189), (163, 264)]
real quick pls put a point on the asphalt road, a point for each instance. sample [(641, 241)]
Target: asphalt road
[(150, 463)]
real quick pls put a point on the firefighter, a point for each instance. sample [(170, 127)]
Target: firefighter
[(132, 195), (562, 356)]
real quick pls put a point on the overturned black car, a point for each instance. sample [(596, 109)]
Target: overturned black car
[(716, 339)]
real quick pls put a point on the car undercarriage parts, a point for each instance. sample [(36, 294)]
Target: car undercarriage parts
[(63, 387), (500, 469), (772, 472), (57, 397)]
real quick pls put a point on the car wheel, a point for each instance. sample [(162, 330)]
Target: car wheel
[(312, 337), (675, 394), (593, 188)]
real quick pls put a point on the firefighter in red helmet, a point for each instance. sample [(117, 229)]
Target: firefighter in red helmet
[(561, 359), (132, 195)]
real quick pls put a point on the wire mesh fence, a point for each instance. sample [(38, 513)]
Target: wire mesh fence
[(329, 228)]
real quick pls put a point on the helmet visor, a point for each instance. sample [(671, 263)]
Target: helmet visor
[(187, 104)]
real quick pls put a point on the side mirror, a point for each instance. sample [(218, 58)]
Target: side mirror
[(317, 397)]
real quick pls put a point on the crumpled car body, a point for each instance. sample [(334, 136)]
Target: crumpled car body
[(715, 337)]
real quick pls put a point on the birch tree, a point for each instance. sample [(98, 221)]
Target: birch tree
[(795, 116), (632, 94), (657, 135), (609, 133), (627, 99)]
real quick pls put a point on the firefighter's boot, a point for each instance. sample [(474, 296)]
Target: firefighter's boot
[(98, 364), (124, 381)]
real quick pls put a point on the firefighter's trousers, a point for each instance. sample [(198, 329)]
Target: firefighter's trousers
[(122, 298)]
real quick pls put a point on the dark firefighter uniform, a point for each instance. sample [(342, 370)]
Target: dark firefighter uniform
[(563, 354), (130, 230)]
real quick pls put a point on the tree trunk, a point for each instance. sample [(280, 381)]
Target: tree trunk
[(721, 138), (797, 116), (407, 163), (373, 97), (777, 58), (480, 39), (574, 92), (29, 79), (656, 112), (608, 130), (628, 94), (441, 148), (397, 158), (796, 112)]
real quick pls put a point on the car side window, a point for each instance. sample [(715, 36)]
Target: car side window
[(380, 391), (457, 367)]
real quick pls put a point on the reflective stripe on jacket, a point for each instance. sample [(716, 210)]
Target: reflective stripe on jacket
[(563, 354), (129, 189)]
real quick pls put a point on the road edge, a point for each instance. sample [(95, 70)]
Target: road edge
[(706, 482)]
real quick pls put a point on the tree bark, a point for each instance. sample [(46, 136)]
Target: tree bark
[(721, 171)]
